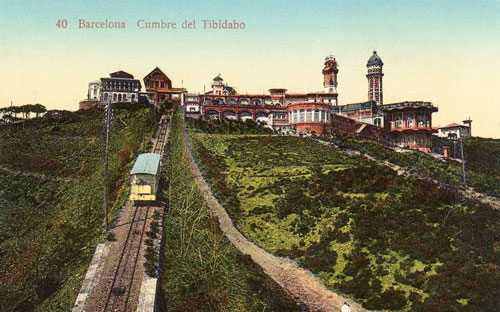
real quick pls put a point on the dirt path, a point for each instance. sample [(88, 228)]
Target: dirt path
[(298, 282), (465, 191)]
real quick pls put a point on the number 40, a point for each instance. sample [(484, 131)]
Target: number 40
[(62, 23)]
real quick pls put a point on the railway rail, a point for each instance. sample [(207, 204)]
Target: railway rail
[(119, 284), (160, 141), (119, 293)]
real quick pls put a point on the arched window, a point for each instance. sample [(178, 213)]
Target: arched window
[(114, 97), (105, 97), (119, 97), (133, 98), (124, 97)]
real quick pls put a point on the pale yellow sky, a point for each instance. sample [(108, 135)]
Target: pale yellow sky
[(448, 57)]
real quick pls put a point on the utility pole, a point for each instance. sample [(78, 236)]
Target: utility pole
[(108, 116), (463, 160)]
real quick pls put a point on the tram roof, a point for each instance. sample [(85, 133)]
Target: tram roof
[(146, 163)]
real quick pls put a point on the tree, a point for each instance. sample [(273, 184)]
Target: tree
[(38, 109)]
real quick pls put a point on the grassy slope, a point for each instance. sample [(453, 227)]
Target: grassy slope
[(390, 242), (481, 155), (51, 222), (202, 271)]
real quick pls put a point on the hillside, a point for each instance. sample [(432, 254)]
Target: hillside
[(482, 162), (391, 242), (482, 156), (202, 271), (51, 212)]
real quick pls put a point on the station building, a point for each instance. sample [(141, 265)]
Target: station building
[(159, 88)]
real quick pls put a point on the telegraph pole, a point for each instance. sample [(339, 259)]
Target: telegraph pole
[(463, 160), (108, 113)]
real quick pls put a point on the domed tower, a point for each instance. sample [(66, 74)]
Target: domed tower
[(374, 76), (330, 74)]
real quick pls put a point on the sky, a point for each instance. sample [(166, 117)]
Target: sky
[(443, 51)]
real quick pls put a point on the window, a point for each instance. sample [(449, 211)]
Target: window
[(301, 116), (162, 84), (316, 115), (308, 115), (119, 97), (398, 122), (378, 122), (409, 122)]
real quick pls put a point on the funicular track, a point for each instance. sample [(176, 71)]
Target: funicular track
[(118, 284), (162, 134), (119, 293)]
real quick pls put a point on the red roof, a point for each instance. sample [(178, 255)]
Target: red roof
[(157, 69), (453, 125)]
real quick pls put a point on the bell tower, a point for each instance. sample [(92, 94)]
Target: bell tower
[(374, 77), (330, 75)]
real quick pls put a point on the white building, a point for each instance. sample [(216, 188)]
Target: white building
[(454, 131), (121, 87), (192, 103), (94, 92)]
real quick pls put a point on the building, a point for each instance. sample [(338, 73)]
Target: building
[(405, 124), (94, 92), (120, 87), (310, 110), (219, 88), (159, 88), (367, 112), (410, 124), (455, 131), (309, 117)]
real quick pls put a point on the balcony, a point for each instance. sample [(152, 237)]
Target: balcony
[(408, 104)]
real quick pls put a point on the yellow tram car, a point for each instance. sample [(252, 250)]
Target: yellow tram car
[(144, 178)]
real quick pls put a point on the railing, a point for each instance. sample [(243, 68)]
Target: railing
[(407, 104)]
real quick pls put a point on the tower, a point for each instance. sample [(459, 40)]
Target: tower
[(468, 122), (330, 74), (218, 85), (374, 77)]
